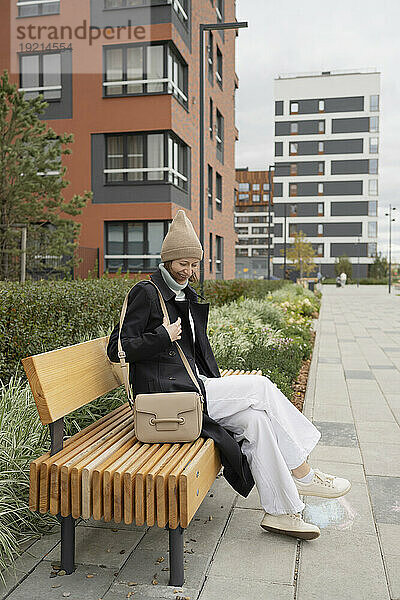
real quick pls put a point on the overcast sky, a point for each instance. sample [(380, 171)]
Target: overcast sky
[(295, 36)]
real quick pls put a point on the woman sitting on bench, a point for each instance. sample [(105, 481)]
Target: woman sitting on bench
[(262, 436)]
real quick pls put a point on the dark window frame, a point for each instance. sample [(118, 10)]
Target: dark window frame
[(167, 45), (218, 189), (219, 123), (21, 55), (166, 135), (219, 68), (148, 3), (40, 11)]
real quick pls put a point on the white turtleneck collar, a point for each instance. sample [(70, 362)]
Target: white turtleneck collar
[(172, 284)]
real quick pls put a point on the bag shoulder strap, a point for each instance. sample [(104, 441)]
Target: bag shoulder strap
[(122, 355)]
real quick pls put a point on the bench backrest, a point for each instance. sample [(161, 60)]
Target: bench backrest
[(66, 379)]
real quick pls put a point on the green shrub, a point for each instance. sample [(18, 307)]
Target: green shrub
[(222, 291)]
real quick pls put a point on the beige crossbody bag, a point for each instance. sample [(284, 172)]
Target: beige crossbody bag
[(166, 416)]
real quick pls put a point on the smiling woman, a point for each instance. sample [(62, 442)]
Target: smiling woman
[(182, 269)]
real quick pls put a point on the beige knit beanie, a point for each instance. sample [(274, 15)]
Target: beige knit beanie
[(181, 240)]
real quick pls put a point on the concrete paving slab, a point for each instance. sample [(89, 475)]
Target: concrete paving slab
[(378, 431), (336, 434), (385, 498), (356, 374), (337, 413), (392, 564), (252, 500), (237, 589), (349, 512), (342, 565), (336, 453), (389, 535), (99, 546), (370, 410), (39, 586), (381, 458)]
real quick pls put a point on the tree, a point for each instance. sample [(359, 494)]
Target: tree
[(379, 269), (302, 254), (343, 265), (31, 185)]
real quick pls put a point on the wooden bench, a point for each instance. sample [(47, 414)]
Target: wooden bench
[(104, 471)]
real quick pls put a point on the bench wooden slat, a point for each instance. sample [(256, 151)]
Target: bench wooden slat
[(108, 480), (119, 446), (118, 482), (162, 484), (151, 484), (71, 471), (140, 484), (196, 480), (129, 482), (173, 500), (88, 368), (50, 469)]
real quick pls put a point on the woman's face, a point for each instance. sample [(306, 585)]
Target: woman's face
[(183, 268)]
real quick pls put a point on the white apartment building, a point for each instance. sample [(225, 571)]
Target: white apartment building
[(327, 165)]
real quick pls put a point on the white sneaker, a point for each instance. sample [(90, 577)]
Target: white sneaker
[(290, 525), (324, 485)]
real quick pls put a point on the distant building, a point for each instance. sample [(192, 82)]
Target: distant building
[(326, 165), (252, 224)]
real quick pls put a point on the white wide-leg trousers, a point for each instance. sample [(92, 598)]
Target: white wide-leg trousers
[(276, 436)]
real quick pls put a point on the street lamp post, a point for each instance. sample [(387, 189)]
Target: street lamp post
[(271, 169), (284, 242), (358, 262), (389, 214), (206, 27)]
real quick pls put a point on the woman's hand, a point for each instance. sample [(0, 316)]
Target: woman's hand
[(174, 329)]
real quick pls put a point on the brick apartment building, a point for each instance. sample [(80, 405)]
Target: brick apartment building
[(253, 224), (130, 96)]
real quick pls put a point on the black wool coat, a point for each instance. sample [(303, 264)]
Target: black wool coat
[(156, 366)]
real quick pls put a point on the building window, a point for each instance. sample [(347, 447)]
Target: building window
[(242, 252), (278, 148), (372, 246), (256, 197), (219, 9), (373, 145), (210, 260), (180, 6), (210, 57), (321, 126), (266, 187), (374, 102), (211, 118), (373, 166), (320, 208), (320, 147), (320, 250), (293, 169), (256, 187), (321, 168), (219, 256), (219, 136), (265, 197), (320, 229), (373, 187), (293, 148), (243, 196), (372, 229), (372, 208), (259, 230), (374, 124), (146, 157), (320, 188), (218, 72), (150, 69), (294, 108), (210, 192), (218, 191), (244, 187), (294, 128), (133, 245), (259, 252), (293, 210), (242, 230), (321, 105), (279, 107), (293, 189), (41, 74), (37, 9)]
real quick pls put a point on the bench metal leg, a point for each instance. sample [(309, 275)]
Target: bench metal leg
[(176, 572), (67, 543)]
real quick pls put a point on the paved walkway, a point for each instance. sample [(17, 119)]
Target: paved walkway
[(353, 397)]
